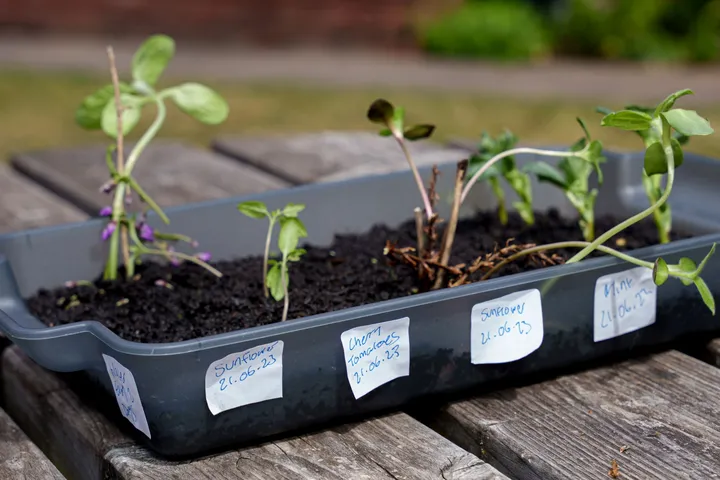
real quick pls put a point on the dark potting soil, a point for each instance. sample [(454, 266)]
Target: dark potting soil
[(352, 272)]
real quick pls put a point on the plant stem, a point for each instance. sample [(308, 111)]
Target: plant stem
[(667, 147), (118, 200), (418, 178), (419, 231), (449, 235), (266, 255), (558, 245), (147, 136), (286, 299), (508, 153), (189, 258)]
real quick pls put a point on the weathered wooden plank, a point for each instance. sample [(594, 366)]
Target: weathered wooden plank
[(19, 457), (657, 417), (311, 157), (86, 444), (25, 205), (172, 173)]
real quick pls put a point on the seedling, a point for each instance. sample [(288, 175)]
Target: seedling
[(652, 184), (256, 209), (518, 180), (116, 110), (572, 176)]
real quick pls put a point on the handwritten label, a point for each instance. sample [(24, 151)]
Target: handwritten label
[(376, 354), (507, 328), (251, 376), (126, 393), (624, 302)]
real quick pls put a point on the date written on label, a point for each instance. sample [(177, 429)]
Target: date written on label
[(376, 354), (624, 302), (126, 394), (507, 328), (251, 376)]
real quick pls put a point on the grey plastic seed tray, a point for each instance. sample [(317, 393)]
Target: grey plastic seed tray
[(315, 387)]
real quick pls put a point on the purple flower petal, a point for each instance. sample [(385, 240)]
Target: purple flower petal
[(147, 233), (204, 256), (108, 230), (108, 187), (173, 259), (105, 211)]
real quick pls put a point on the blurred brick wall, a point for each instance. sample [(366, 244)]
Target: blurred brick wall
[(365, 23)]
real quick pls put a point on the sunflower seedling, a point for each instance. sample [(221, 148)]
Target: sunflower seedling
[(572, 176), (518, 180), (278, 277), (116, 109), (256, 209)]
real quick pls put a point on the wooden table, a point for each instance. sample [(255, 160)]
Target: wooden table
[(657, 416)]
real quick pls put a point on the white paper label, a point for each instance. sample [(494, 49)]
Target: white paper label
[(126, 393), (507, 328), (251, 376), (376, 354), (624, 302)]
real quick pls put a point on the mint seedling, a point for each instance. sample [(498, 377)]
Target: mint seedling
[(518, 180), (572, 176), (256, 209), (116, 109)]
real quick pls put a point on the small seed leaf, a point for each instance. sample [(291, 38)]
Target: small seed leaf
[(627, 120), (274, 282), (381, 111), (89, 113), (419, 132), (688, 122), (547, 173), (660, 272), (706, 294), (130, 116), (152, 58), (295, 255), (668, 103), (385, 132), (200, 102), (253, 209), (655, 161), (687, 265), (291, 230), (292, 209)]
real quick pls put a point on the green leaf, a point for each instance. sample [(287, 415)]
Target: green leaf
[(584, 128), (253, 209), (295, 255), (595, 158), (381, 111), (152, 58), (687, 265), (274, 281), (419, 132), (627, 120), (89, 113), (130, 116), (201, 103), (291, 230), (547, 173), (640, 108), (688, 122), (292, 209), (603, 110), (660, 272), (655, 161), (668, 103), (385, 132), (706, 294), (525, 211), (704, 261)]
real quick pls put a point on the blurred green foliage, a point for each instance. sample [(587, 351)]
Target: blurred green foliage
[(661, 30), (489, 29)]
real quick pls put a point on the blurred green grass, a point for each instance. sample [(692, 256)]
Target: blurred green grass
[(37, 109)]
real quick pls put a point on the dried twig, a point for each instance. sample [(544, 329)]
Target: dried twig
[(125, 244), (449, 236)]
